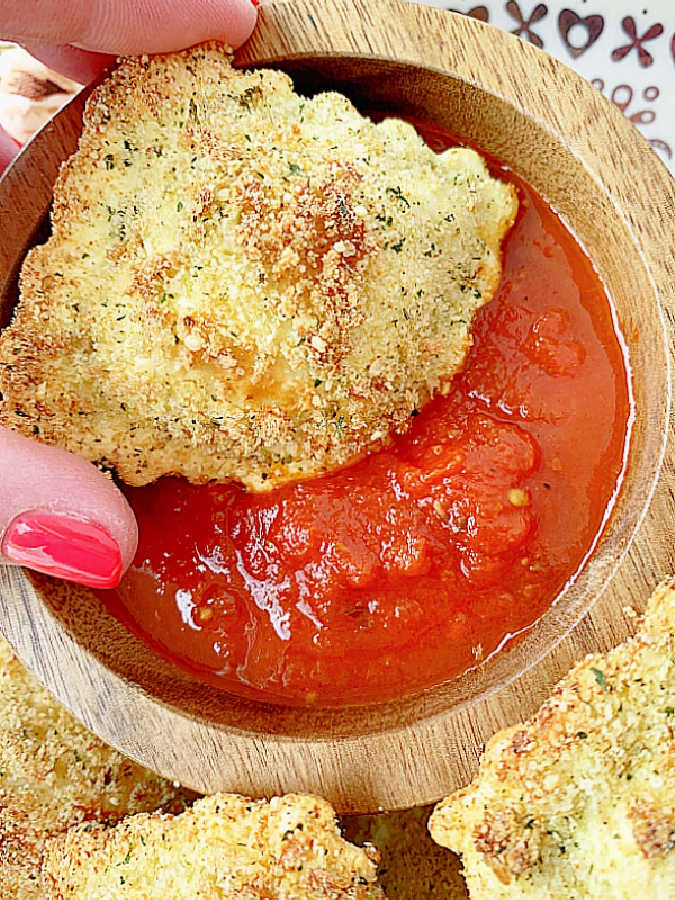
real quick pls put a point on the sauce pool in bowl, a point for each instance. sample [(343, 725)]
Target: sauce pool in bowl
[(416, 563)]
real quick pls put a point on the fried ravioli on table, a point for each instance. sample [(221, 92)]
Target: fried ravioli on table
[(54, 773), (580, 801), (243, 283), (224, 846)]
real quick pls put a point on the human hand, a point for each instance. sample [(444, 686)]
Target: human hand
[(58, 513), (61, 515), (79, 38)]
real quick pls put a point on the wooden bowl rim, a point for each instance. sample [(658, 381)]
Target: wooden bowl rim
[(294, 29)]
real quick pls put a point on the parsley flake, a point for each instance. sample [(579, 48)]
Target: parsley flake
[(398, 193), (600, 678)]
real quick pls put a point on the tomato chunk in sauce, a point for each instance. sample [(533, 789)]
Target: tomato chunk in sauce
[(419, 561)]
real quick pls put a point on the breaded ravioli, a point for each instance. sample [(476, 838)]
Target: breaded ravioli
[(244, 283), (224, 846), (579, 802), (54, 773)]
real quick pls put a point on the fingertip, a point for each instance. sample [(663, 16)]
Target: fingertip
[(130, 26), (244, 19), (53, 503), (151, 27), (65, 546), (159, 26)]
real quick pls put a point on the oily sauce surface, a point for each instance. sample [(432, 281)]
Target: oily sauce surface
[(416, 563)]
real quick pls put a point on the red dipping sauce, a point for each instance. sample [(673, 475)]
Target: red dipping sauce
[(407, 568)]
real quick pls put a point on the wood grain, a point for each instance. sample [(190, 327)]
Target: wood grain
[(583, 156), (412, 866)]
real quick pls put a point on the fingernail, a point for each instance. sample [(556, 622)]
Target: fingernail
[(255, 2), (64, 546)]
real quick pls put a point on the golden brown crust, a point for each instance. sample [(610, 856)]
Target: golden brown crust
[(243, 283), (54, 774), (653, 827), (580, 801), (224, 846)]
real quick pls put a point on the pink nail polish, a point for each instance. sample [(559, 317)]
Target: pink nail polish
[(64, 546)]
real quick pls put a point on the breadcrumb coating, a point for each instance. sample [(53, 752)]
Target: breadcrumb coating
[(53, 774), (580, 801), (224, 846), (243, 283)]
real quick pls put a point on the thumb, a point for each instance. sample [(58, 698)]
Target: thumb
[(60, 515), (128, 26)]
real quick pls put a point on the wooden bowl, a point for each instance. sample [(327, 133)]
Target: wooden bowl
[(588, 161)]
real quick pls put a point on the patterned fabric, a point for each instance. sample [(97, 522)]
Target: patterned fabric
[(625, 48)]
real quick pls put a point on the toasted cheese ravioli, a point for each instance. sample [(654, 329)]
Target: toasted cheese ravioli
[(580, 801), (243, 283), (54, 773), (225, 846)]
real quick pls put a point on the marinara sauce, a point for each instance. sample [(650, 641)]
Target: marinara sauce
[(421, 560)]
